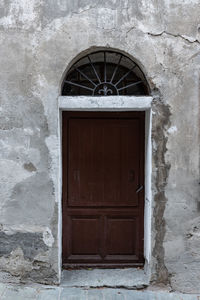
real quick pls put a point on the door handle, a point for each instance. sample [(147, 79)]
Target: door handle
[(139, 189)]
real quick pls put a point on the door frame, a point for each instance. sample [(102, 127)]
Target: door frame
[(111, 103)]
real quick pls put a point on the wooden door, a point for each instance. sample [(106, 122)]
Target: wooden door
[(103, 188)]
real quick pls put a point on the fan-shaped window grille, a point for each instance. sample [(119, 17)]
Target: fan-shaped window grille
[(105, 73)]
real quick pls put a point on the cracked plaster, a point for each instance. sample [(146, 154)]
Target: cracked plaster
[(42, 39)]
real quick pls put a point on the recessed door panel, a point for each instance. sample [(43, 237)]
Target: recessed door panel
[(118, 229), (85, 235), (103, 162)]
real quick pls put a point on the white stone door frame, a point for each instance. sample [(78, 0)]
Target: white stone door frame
[(114, 103)]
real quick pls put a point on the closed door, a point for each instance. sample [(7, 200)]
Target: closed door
[(103, 188)]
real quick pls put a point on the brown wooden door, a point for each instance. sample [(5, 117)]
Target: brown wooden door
[(103, 198)]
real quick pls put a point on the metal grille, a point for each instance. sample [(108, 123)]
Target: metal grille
[(105, 73)]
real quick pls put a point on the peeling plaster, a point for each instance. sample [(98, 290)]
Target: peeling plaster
[(39, 39), (172, 129), (48, 237), (20, 13), (15, 264), (161, 122)]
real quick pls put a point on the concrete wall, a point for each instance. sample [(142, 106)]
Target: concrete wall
[(39, 41)]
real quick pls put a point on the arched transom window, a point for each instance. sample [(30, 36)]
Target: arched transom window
[(105, 73)]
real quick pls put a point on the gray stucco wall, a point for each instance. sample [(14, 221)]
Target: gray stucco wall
[(38, 41)]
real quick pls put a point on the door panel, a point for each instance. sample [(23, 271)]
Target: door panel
[(103, 162), (103, 166), (85, 235), (118, 229)]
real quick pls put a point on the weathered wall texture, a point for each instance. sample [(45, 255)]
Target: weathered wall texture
[(38, 41)]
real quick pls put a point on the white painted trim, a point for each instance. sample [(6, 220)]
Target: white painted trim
[(59, 195), (115, 103), (121, 103), (148, 193)]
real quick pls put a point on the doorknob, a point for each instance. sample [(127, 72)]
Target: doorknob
[(139, 189)]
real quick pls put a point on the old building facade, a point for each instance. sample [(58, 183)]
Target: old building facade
[(41, 42)]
